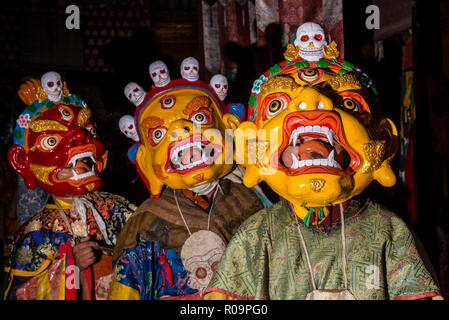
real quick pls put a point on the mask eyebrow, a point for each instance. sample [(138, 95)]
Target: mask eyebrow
[(195, 104), (151, 122), (46, 125)]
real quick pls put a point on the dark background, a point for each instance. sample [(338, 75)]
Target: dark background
[(119, 39)]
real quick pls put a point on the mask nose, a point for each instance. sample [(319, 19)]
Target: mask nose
[(310, 99), (180, 129), (81, 137)]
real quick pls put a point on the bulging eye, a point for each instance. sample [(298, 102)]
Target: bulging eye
[(304, 38), (167, 102), (47, 143), (92, 130), (275, 106), (156, 134), (309, 75), (202, 116), (350, 104), (66, 113)]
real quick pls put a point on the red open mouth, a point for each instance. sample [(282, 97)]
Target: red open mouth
[(314, 142), (82, 166), (190, 154)]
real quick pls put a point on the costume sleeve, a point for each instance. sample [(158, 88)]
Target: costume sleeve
[(37, 267), (119, 213), (242, 271), (407, 276), (148, 272)]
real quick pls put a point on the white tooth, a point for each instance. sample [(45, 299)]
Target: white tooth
[(74, 174), (302, 163), (320, 105), (308, 129), (301, 130), (330, 137), (293, 138), (324, 130), (295, 161), (302, 105), (330, 157), (317, 129), (309, 163), (316, 162), (323, 162), (335, 136)]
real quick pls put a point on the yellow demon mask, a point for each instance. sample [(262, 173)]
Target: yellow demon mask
[(315, 134), (183, 138)]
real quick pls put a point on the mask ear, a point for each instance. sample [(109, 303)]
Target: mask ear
[(231, 121), (146, 172), (387, 131), (20, 162)]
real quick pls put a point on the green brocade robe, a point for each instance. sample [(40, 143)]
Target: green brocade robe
[(265, 258)]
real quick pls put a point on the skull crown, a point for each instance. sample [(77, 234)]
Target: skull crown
[(310, 40)]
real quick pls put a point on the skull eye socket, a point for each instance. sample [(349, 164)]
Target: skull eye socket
[(136, 89), (186, 68), (304, 38), (196, 68), (318, 37), (154, 74), (50, 84), (214, 265), (201, 273), (163, 71), (217, 85), (167, 102), (66, 113), (58, 83)]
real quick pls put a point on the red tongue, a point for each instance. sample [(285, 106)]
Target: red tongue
[(313, 149), (81, 167), (191, 156)]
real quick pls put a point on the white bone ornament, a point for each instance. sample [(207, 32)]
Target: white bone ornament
[(127, 126), (52, 84), (159, 73), (135, 93), (190, 69), (200, 254), (220, 85), (310, 40)]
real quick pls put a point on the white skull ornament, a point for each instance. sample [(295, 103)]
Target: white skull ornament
[(310, 40), (189, 69), (159, 73), (135, 93), (127, 126), (52, 84), (200, 254), (220, 85)]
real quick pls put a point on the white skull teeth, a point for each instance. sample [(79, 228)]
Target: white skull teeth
[(207, 153), (75, 158), (324, 132)]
